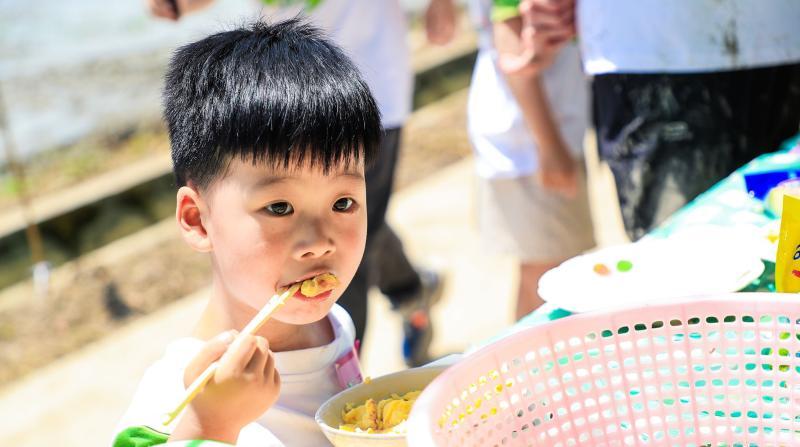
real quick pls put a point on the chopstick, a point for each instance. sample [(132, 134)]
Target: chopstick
[(254, 325)]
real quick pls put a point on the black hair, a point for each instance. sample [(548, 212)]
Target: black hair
[(270, 93)]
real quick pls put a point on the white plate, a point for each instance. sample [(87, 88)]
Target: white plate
[(693, 263), (758, 240)]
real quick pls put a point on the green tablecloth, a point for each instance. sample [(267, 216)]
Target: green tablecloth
[(727, 204)]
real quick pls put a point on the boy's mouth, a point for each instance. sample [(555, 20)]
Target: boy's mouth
[(318, 286)]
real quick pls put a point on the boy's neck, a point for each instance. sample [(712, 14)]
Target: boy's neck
[(222, 315)]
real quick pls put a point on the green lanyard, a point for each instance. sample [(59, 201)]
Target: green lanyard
[(310, 4)]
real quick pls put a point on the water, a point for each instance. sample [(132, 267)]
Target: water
[(69, 68)]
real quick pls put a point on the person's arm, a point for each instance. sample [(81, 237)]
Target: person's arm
[(175, 9), (522, 61), (440, 21)]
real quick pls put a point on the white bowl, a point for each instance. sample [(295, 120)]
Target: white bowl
[(329, 415)]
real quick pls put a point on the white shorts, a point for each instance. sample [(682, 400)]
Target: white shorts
[(517, 217)]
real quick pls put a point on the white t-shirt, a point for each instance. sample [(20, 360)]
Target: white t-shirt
[(374, 34), (674, 36), (309, 377), (501, 140)]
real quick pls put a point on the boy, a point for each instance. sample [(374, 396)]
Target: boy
[(527, 113), (271, 128), (374, 34)]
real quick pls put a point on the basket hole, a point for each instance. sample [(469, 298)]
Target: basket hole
[(530, 356)]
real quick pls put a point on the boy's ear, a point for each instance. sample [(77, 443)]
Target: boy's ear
[(189, 214)]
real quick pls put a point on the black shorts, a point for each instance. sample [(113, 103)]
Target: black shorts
[(669, 137)]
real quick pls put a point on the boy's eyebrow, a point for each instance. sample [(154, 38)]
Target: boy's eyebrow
[(274, 179), (354, 174)]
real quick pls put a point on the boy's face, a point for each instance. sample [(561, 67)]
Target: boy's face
[(271, 227)]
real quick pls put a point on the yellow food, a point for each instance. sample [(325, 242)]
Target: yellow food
[(387, 416), (319, 284)]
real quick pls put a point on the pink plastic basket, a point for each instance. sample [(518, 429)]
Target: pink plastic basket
[(711, 371)]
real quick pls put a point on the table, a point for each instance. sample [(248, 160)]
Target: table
[(727, 203)]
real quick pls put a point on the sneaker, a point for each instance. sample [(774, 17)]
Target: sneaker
[(417, 327)]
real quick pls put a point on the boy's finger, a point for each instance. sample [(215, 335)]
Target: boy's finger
[(259, 359), (209, 353), (271, 373), (237, 356)]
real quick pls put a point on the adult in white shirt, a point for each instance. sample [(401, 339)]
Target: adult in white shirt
[(686, 91), (373, 33), (526, 125)]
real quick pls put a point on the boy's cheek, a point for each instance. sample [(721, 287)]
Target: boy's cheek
[(253, 279)]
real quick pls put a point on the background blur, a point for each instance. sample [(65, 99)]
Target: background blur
[(85, 174)]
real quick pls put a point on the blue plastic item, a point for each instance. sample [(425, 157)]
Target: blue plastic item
[(759, 183)]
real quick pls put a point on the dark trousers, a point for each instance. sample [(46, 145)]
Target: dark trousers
[(384, 263), (669, 137)]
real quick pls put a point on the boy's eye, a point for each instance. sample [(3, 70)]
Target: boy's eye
[(343, 204), (279, 208)]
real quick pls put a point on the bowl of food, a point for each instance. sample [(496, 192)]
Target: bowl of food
[(374, 412)]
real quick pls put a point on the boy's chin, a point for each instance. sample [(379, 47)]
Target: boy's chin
[(300, 313)]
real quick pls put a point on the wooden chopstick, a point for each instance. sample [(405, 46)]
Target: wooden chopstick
[(254, 325)]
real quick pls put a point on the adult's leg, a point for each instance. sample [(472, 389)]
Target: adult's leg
[(396, 277), (540, 228), (669, 137), (528, 298)]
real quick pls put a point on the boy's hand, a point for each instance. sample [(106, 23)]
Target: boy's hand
[(558, 172), (174, 9), (440, 21), (546, 26), (245, 385)]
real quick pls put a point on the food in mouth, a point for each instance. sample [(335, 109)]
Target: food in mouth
[(319, 284)]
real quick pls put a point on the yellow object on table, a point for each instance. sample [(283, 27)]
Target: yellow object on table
[(787, 261), (386, 416)]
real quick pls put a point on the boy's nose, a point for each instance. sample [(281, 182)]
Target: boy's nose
[(315, 243)]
